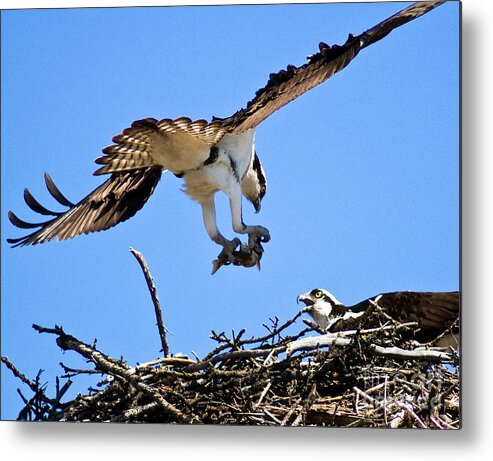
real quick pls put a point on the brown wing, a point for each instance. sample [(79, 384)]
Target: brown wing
[(428, 309), (286, 85), (434, 312), (115, 201), (149, 142)]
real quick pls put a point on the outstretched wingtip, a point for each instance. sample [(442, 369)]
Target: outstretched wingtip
[(17, 222), (55, 192), (15, 242)]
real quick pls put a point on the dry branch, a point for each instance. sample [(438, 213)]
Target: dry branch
[(113, 368), (341, 339), (155, 300)]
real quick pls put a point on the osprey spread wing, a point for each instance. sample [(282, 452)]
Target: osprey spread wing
[(209, 156)]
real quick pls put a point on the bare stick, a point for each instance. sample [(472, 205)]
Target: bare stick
[(249, 353), (368, 398), (18, 374), (343, 338), (261, 339), (35, 386), (155, 299), (410, 411), (114, 368)]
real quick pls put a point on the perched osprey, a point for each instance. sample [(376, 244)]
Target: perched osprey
[(434, 313), (210, 157)]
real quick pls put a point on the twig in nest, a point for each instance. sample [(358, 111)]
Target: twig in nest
[(225, 342), (19, 375), (408, 408), (236, 354), (114, 368), (36, 404), (342, 339), (155, 300), (306, 406)]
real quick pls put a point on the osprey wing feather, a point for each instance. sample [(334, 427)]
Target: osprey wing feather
[(115, 201), (135, 162), (176, 145), (286, 85)]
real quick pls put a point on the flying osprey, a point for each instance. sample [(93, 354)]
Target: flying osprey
[(434, 313), (210, 157)]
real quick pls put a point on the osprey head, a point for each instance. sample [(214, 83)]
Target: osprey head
[(254, 184), (320, 305)]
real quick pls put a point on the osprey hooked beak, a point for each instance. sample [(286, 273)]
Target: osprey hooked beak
[(257, 204), (306, 300)]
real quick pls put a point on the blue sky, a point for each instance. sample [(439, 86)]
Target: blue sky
[(363, 171)]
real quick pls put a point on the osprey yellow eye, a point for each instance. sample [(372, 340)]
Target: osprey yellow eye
[(318, 294)]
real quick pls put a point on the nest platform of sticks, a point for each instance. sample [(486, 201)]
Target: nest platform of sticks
[(365, 378)]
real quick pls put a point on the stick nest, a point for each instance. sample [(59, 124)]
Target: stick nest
[(255, 382), (364, 378)]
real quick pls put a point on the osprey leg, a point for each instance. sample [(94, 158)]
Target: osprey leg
[(209, 216), (255, 233)]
